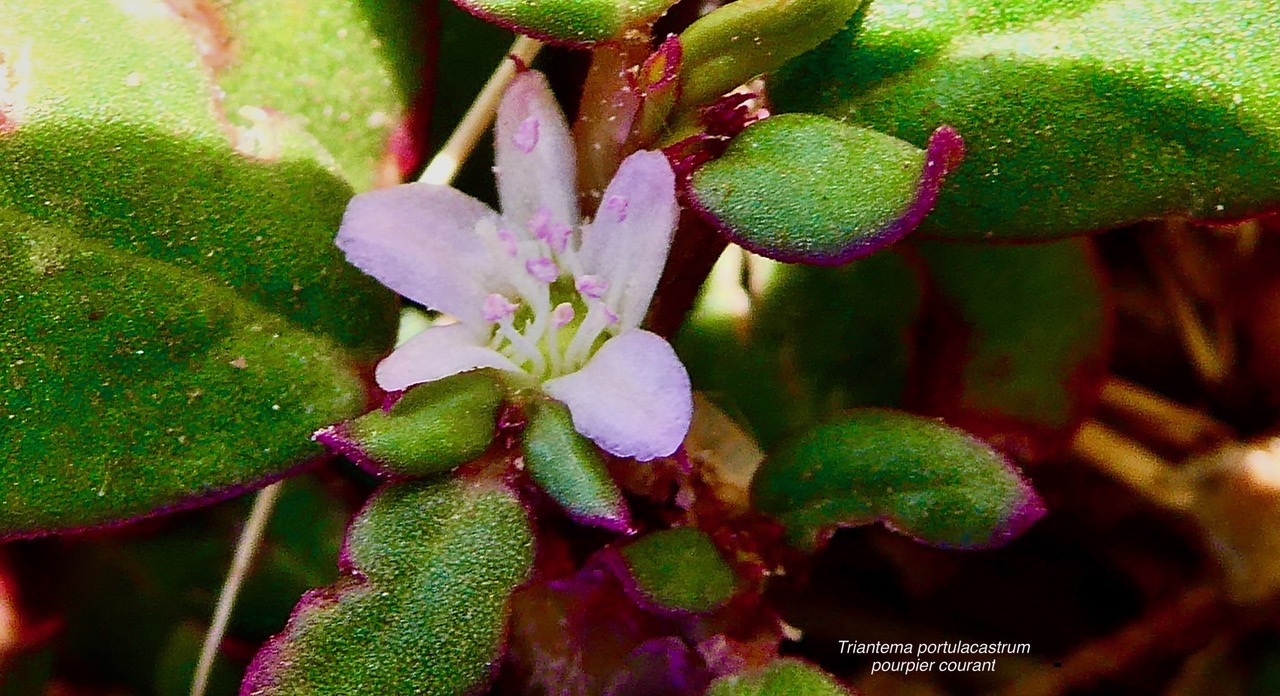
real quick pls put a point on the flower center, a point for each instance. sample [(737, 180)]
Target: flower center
[(554, 315)]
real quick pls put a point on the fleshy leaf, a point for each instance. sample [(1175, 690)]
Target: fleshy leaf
[(424, 607), (740, 40), (434, 428), (352, 94), (567, 466), (1018, 339), (678, 569), (918, 476), (133, 383), (568, 22), (176, 318), (805, 188), (1079, 115), (781, 678)]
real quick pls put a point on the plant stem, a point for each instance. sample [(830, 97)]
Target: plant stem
[(1131, 463), (607, 114), (444, 166), (250, 539)]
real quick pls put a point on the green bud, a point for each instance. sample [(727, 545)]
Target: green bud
[(570, 469), (751, 37)]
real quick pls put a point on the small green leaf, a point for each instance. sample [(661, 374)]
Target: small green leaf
[(804, 188), (679, 569), (916, 475), (435, 427), (568, 22), (738, 41), (425, 607), (1028, 363), (1078, 114), (570, 469), (780, 678)]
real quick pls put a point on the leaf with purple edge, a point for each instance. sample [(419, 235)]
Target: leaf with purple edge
[(1080, 114), (435, 427), (134, 384), (784, 677), (1017, 341), (810, 189), (568, 22), (677, 570), (176, 319), (917, 476), (424, 606), (569, 468)]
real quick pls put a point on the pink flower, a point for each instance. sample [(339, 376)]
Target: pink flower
[(555, 301)]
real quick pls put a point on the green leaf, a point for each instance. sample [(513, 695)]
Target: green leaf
[(1021, 347), (780, 678), (918, 476), (424, 610), (679, 569), (804, 188), (1078, 114), (351, 94), (570, 469), (568, 22), (175, 318), (131, 383), (738, 41), (435, 427)]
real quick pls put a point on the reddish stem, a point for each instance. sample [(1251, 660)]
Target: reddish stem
[(607, 113), (693, 252)]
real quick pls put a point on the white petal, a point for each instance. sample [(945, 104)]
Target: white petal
[(632, 398), (436, 353), (420, 240), (534, 154), (628, 241)]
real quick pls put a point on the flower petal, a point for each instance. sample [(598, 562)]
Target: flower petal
[(436, 353), (628, 241), (534, 155), (632, 398), (420, 240)]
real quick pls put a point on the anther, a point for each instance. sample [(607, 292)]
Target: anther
[(496, 308), (555, 234), (591, 286), (509, 243), (562, 315), (542, 269)]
